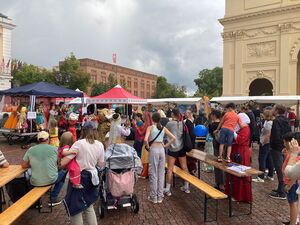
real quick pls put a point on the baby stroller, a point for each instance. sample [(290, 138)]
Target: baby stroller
[(118, 178)]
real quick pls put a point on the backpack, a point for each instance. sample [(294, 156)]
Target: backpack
[(17, 188)]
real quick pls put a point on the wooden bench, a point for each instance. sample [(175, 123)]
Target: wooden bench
[(212, 160), (12, 213), (208, 190)]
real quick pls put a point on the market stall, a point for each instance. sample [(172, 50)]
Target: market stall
[(28, 113), (116, 95)]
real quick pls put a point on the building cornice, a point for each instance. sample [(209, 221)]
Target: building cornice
[(90, 62), (260, 13)]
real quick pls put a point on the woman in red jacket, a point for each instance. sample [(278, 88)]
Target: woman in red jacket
[(241, 153)]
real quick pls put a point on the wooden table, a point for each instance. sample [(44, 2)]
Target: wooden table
[(212, 160), (7, 175)]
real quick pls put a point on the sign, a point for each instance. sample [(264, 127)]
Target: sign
[(31, 115)]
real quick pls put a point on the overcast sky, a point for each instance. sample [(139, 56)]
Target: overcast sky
[(173, 38)]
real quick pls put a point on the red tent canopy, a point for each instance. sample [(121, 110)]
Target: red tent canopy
[(117, 95)]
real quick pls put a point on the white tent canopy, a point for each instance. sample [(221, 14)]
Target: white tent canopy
[(289, 100), (181, 101)]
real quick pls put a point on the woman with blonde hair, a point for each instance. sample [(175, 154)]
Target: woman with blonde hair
[(264, 157)]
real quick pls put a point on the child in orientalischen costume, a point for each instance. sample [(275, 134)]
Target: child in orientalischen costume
[(72, 122), (40, 118), (53, 133), (66, 141), (52, 114), (12, 120), (22, 119)]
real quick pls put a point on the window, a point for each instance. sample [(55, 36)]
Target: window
[(93, 71), (135, 85), (129, 84), (142, 84), (103, 79), (142, 94), (103, 73), (135, 93), (148, 95), (148, 86), (94, 78)]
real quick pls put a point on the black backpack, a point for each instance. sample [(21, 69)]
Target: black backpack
[(17, 188)]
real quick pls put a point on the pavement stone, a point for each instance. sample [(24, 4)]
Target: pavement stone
[(179, 209)]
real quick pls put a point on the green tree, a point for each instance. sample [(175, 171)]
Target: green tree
[(100, 88), (71, 75), (30, 74), (167, 90), (209, 82)]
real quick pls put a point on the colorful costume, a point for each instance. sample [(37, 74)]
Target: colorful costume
[(12, 121), (241, 188), (22, 122), (104, 125), (72, 122), (54, 140), (40, 118)]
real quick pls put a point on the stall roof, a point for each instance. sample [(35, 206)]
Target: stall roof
[(291, 99), (117, 95), (42, 89), (187, 101)]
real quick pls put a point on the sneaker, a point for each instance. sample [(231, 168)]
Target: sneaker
[(160, 199), (54, 203), (220, 159), (167, 193), (258, 180), (274, 191), (269, 178), (286, 223), (277, 195), (186, 190), (153, 200)]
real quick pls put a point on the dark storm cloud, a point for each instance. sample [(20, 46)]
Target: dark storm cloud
[(167, 37)]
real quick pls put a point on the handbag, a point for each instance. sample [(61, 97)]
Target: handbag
[(187, 142), (152, 141), (121, 184)]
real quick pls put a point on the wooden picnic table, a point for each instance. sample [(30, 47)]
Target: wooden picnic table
[(7, 175), (201, 156)]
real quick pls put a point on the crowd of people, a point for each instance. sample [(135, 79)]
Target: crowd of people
[(159, 139)]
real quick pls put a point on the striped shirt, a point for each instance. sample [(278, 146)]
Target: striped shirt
[(2, 159)]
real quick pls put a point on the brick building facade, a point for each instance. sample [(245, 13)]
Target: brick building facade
[(137, 82)]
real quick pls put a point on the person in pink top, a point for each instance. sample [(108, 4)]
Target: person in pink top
[(227, 127)]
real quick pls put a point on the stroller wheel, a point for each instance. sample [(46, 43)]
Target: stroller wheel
[(135, 206), (101, 209)]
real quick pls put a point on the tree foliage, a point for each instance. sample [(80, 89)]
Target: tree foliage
[(209, 82), (167, 90), (100, 88), (69, 75), (30, 74)]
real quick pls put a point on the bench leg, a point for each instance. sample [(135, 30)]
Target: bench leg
[(199, 168), (174, 177), (230, 196), (205, 208)]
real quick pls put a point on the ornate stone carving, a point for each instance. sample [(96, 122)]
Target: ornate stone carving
[(261, 74), (262, 49), (285, 27), (295, 49)]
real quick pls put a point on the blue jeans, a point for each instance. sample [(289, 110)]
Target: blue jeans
[(265, 160), (59, 183)]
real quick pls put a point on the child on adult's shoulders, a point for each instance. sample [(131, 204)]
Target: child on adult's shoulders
[(291, 186)]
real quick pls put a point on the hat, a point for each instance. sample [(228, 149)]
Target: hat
[(43, 135), (89, 125)]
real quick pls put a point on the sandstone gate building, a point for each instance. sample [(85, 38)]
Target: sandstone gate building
[(261, 47), (6, 27), (137, 82)]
